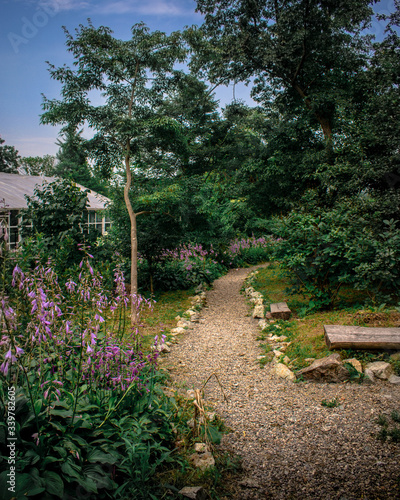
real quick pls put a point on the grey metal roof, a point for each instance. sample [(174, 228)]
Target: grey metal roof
[(14, 187)]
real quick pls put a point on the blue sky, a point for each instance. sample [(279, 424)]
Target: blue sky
[(31, 34)]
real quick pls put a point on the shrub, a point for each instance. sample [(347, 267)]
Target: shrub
[(249, 251), (185, 267), (322, 252)]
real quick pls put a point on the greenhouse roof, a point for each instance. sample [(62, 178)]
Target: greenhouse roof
[(14, 187)]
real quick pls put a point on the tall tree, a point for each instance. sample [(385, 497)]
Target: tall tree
[(300, 52), (38, 165), (132, 78), (9, 158), (73, 162)]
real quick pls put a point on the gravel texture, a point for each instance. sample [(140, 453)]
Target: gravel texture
[(291, 446)]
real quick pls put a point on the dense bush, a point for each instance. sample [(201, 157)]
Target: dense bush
[(249, 251), (323, 252), (183, 268), (190, 265)]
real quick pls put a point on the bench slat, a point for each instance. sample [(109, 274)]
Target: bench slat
[(280, 310), (360, 337)]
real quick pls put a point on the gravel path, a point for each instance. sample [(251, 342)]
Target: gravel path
[(291, 446)]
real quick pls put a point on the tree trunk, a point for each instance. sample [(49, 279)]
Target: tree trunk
[(132, 217), (323, 121)]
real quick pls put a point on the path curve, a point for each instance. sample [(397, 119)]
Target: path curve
[(291, 446)]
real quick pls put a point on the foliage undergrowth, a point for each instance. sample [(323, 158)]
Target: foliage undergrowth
[(189, 265)]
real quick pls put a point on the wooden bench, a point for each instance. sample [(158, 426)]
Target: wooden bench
[(280, 310), (359, 337)]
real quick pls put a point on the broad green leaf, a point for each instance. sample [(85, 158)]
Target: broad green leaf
[(35, 491), (38, 406), (99, 456), (54, 484), (71, 469)]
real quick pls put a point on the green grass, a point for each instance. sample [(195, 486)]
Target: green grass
[(306, 332)]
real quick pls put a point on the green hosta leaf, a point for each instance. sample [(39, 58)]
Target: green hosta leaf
[(62, 451), (35, 491), (70, 469), (33, 457), (38, 406), (83, 424), (54, 484), (78, 439), (99, 456), (61, 413), (88, 484), (99, 476), (49, 460), (23, 484), (58, 426)]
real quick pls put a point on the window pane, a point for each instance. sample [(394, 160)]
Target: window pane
[(14, 218)]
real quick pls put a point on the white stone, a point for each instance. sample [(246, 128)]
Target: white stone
[(370, 374), (262, 324), (354, 362), (394, 379), (283, 371), (191, 394), (200, 447), (194, 493), (258, 312), (380, 369), (162, 348), (211, 415), (177, 331), (202, 460), (183, 324)]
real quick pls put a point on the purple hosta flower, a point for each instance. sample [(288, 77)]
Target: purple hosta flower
[(17, 275), (36, 438), (70, 286), (4, 367), (99, 318)]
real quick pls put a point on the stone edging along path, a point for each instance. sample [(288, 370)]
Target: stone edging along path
[(291, 446)]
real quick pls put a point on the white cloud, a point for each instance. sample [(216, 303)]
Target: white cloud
[(64, 5), (158, 7)]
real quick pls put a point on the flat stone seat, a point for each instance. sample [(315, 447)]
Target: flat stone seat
[(360, 337), (280, 310)]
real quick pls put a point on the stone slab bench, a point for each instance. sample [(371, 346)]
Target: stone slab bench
[(360, 337), (280, 310)]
